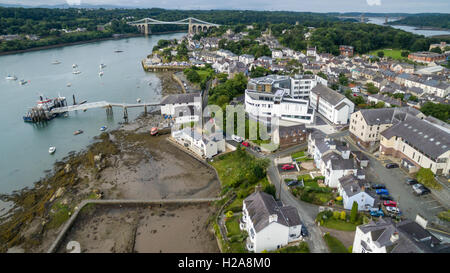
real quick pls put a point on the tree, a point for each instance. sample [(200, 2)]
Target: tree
[(343, 80), (371, 88), (380, 54), (322, 75), (193, 76), (404, 54), (436, 50), (270, 189), (379, 104), (437, 110), (343, 215), (426, 177), (354, 212)]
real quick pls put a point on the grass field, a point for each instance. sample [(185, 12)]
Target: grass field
[(334, 244), (393, 53), (233, 226), (339, 225)]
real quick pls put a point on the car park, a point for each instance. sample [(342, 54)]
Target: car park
[(411, 181), (390, 203), (287, 167), (391, 165), (378, 186), (382, 191)]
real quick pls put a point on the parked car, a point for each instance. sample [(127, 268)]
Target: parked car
[(304, 231), (382, 191), (288, 167), (257, 149), (376, 212), (386, 197), (292, 183), (237, 138), (390, 203), (411, 181), (420, 189), (378, 186), (393, 210), (246, 144), (392, 165)]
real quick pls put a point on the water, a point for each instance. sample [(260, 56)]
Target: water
[(24, 147), (425, 32)]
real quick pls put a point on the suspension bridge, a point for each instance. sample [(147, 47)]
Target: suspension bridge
[(195, 25)]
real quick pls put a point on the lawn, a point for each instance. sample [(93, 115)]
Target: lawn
[(393, 53), (334, 244), (232, 225), (298, 154), (339, 225), (301, 248), (311, 192)]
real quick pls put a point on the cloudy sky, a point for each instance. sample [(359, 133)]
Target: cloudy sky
[(408, 6)]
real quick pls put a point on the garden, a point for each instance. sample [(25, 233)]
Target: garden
[(312, 192), (334, 244), (341, 220)]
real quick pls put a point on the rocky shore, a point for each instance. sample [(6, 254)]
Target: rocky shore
[(126, 163)]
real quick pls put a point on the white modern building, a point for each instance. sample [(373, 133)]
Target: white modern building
[(247, 59), (334, 106), (269, 224)]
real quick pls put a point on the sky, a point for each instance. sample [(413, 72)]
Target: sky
[(382, 6)]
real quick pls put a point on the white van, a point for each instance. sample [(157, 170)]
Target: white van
[(237, 138)]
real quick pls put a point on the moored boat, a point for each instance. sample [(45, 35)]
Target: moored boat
[(103, 128), (76, 72), (10, 77), (77, 132), (52, 150)]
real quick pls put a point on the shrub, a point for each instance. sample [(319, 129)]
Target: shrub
[(343, 215), (339, 198), (426, 177), (336, 215), (229, 214)]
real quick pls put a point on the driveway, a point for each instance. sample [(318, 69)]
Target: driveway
[(346, 237), (307, 212)]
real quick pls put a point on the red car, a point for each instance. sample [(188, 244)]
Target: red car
[(245, 143), (389, 203), (288, 167)]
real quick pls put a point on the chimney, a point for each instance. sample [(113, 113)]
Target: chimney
[(363, 188), (273, 218), (258, 188), (351, 188), (394, 237)]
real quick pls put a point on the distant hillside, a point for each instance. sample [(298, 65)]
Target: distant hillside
[(425, 20)]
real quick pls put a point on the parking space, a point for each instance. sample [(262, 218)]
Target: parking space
[(284, 171)]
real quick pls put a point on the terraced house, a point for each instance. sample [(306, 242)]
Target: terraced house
[(333, 106), (419, 143)]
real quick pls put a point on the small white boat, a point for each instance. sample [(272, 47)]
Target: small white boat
[(51, 150), (102, 66), (22, 82), (56, 62), (74, 66), (69, 84), (9, 77), (100, 73), (76, 72), (138, 100), (103, 128)]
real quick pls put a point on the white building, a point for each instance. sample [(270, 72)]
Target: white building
[(311, 51), (205, 146), (335, 167), (271, 97), (302, 84), (269, 224), (333, 106), (247, 59), (182, 108), (352, 190), (386, 236), (277, 54)]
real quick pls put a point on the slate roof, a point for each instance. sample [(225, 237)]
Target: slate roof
[(179, 98), (261, 205), (351, 185), (422, 135), (327, 94), (342, 164), (386, 115)]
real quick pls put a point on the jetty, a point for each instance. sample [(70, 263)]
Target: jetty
[(104, 104)]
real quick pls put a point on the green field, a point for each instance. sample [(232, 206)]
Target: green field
[(393, 53)]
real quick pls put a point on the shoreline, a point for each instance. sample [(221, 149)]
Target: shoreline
[(124, 36), (124, 163)]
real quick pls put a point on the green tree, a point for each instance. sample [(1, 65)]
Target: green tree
[(426, 177), (404, 54), (336, 214), (193, 76), (380, 54), (343, 80), (270, 189), (436, 50), (354, 212)]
